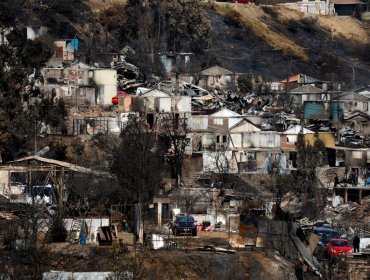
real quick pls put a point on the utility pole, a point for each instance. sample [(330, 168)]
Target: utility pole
[(353, 75)]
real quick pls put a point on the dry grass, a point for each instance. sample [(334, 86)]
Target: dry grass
[(345, 28), (99, 5), (260, 29)]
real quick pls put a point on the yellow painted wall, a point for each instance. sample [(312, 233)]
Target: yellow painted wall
[(326, 137)]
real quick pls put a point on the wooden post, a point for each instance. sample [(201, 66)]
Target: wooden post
[(346, 195), (359, 196), (60, 183), (29, 182), (159, 214)]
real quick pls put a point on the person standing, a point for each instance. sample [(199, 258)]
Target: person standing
[(336, 180), (356, 244)]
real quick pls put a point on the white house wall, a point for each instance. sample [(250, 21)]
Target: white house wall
[(261, 140), (164, 104), (196, 123), (236, 140), (106, 79), (270, 140), (183, 104), (169, 103)]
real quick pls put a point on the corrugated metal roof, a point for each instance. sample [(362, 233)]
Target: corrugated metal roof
[(216, 70), (225, 113), (71, 166), (297, 129), (307, 89)]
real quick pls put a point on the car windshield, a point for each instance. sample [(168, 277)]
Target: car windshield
[(185, 219), (340, 243)]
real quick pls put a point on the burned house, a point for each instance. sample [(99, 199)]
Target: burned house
[(65, 51), (299, 80), (29, 33), (359, 121), (356, 100), (308, 93), (289, 139), (18, 179), (214, 77), (230, 140), (80, 84)]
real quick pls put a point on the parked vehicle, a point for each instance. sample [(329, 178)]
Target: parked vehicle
[(184, 225), (326, 234), (119, 93), (338, 247)]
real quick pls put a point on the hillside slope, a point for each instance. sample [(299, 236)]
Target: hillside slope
[(276, 41), (272, 40)]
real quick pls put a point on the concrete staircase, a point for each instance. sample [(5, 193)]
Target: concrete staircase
[(194, 179)]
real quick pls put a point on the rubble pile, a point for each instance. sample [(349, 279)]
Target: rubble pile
[(243, 104), (351, 137), (291, 203)]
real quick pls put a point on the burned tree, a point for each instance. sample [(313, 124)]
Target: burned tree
[(136, 162), (174, 141), (20, 96), (309, 157), (220, 160), (166, 26), (188, 198)]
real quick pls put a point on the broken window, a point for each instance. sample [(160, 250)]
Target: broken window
[(291, 139), (150, 120), (224, 139)]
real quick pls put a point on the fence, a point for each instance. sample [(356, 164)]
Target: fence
[(94, 126)]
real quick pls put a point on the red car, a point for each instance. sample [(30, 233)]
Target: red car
[(337, 247), (119, 93)]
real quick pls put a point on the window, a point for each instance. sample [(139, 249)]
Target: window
[(366, 106), (224, 139), (218, 121)]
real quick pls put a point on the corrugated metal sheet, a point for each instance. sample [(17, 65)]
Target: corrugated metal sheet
[(316, 110), (305, 253)]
